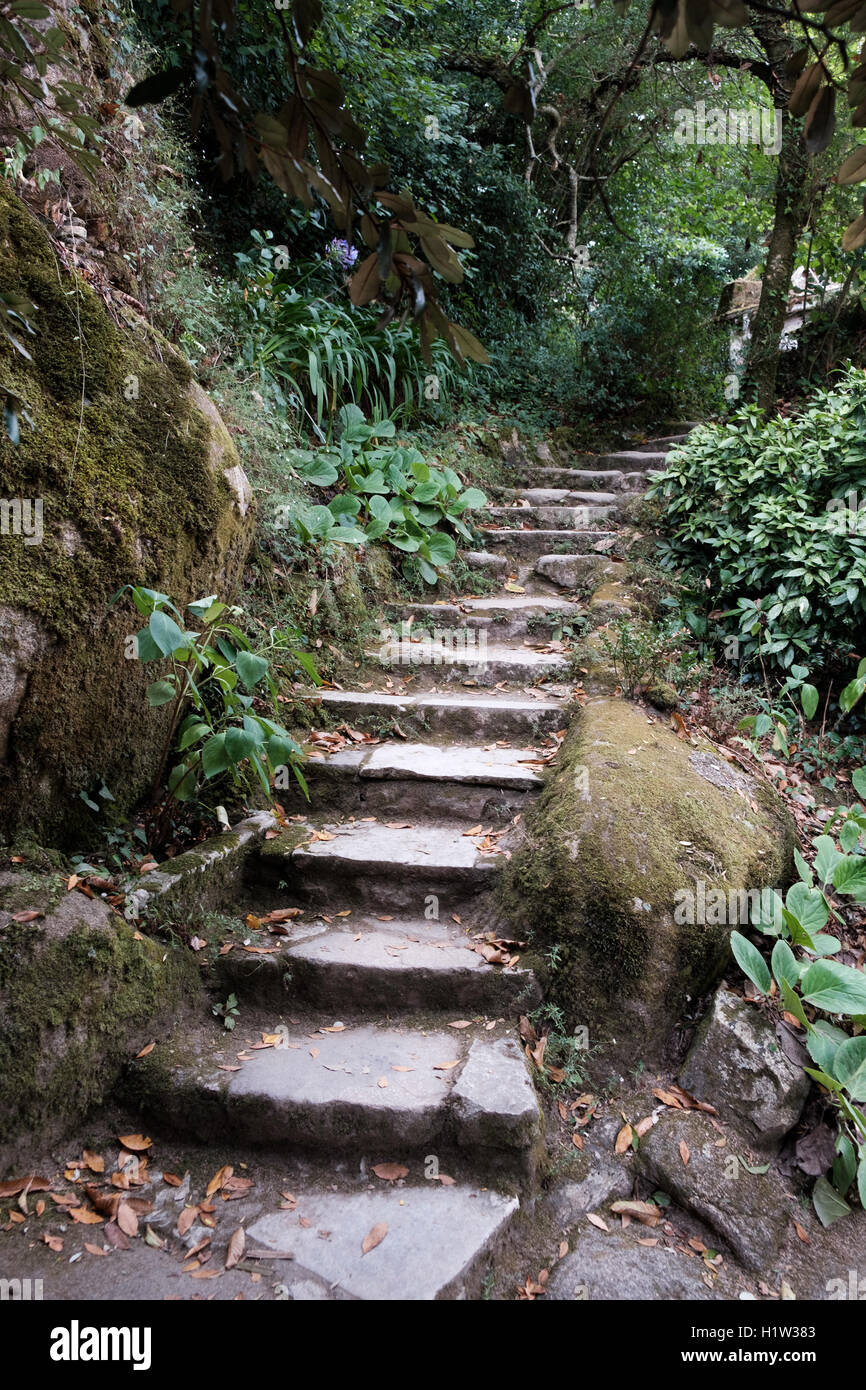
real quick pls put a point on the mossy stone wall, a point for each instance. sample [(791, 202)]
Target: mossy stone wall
[(139, 483)]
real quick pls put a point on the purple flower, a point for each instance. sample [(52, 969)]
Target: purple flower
[(341, 253)]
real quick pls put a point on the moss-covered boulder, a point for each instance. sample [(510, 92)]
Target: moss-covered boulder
[(635, 827), (80, 993), (126, 475)]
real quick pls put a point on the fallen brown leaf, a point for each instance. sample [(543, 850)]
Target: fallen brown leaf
[(374, 1237)]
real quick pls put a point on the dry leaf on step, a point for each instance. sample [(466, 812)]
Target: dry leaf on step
[(374, 1237)]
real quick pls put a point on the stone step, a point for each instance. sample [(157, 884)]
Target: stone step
[(575, 479), (393, 1087), (543, 542), (391, 964), (562, 497), (571, 571), (633, 460), (393, 971), (573, 518), (424, 779), (486, 662), (391, 868), (504, 616), (440, 1240), (639, 482), (496, 715), (665, 443), (486, 562)]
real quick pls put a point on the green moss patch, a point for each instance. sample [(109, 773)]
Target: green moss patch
[(128, 460), (632, 816), (80, 993)]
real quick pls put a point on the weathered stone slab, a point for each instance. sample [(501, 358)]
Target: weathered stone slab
[(612, 1267), (570, 571), (749, 1212), (736, 1063), (505, 767), (364, 1087), (460, 714), (543, 542), (383, 969), (435, 1237), (483, 560), (493, 1098), (204, 876), (79, 995)]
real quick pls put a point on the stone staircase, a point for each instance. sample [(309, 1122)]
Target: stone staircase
[(396, 1037)]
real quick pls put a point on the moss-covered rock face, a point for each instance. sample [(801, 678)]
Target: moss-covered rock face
[(633, 821), (80, 993), (126, 476)]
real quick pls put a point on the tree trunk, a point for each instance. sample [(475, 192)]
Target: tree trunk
[(789, 219)]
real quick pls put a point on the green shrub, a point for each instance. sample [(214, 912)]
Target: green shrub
[(323, 352), (384, 492), (227, 683), (765, 525)]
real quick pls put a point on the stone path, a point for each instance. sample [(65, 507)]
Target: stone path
[(396, 890)]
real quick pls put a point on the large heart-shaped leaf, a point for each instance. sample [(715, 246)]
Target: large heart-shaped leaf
[(250, 668), (165, 632)]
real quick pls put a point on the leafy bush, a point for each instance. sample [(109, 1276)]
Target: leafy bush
[(218, 673), (384, 492), (323, 351), (764, 517)]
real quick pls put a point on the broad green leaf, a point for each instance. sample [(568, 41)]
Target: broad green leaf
[(238, 744), (784, 964), (146, 647), (806, 875), (849, 876), (345, 505), (470, 500), (192, 734), (793, 1005), (321, 472), (850, 1067), (835, 988), (751, 962), (441, 548), (160, 693), (823, 1043), (808, 906), (251, 668), (844, 1164), (166, 633), (213, 756), (809, 700), (181, 782), (281, 750), (858, 779), (851, 694), (767, 913), (200, 606), (826, 858), (828, 1205), (825, 945)]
